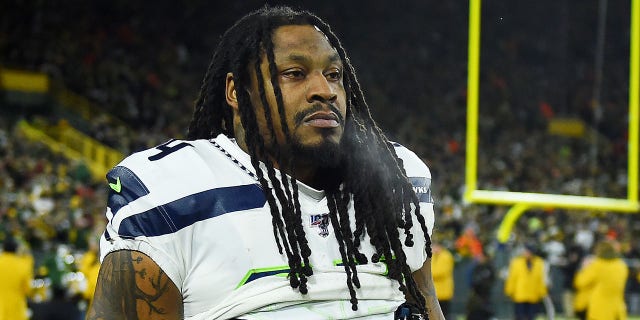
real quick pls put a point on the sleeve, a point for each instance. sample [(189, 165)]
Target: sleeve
[(585, 277), (137, 222), (420, 177)]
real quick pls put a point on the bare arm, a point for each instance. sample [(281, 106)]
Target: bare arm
[(132, 286), (424, 280)]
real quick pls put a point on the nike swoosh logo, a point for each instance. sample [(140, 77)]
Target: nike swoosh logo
[(116, 186)]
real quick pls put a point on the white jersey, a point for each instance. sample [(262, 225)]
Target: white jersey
[(197, 209)]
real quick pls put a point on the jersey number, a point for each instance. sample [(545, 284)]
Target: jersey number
[(165, 149)]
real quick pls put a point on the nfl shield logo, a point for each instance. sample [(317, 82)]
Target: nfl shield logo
[(321, 221)]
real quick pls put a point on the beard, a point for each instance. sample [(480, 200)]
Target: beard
[(325, 155)]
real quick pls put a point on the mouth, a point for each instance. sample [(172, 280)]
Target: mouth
[(322, 119)]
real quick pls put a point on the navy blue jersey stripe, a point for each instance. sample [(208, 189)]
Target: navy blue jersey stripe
[(129, 185), (184, 212), (255, 275)]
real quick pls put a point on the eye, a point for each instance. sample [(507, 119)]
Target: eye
[(293, 74), (334, 74)]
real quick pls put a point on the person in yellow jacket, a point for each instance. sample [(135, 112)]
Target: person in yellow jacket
[(442, 272), (16, 273), (89, 265), (581, 298), (525, 284), (606, 275)]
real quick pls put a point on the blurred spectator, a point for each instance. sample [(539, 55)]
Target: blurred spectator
[(584, 237), (570, 298), (59, 307), (632, 258), (90, 266), (16, 274), (534, 225), (442, 271), (638, 276), (606, 275), (66, 286), (582, 293), (468, 244), (526, 283), (554, 251), (479, 306)]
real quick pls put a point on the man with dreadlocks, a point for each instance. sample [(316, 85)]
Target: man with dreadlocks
[(286, 201)]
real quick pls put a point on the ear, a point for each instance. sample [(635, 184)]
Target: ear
[(230, 92)]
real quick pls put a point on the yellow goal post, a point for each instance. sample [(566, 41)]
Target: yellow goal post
[(521, 201)]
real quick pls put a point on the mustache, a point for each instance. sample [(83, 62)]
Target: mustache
[(298, 118)]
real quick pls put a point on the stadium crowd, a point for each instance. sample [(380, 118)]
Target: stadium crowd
[(142, 66)]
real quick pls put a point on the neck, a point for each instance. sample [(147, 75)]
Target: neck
[(304, 170), (309, 173)]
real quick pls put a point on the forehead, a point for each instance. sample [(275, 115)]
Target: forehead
[(301, 39)]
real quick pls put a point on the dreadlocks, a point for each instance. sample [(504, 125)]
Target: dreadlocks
[(382, 196)]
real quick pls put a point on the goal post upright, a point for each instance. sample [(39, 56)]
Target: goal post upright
[(523, 201)]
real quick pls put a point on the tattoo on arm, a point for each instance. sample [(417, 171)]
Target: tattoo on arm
[(132, 286)]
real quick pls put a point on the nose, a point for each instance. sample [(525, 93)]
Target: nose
[(320, 89)]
